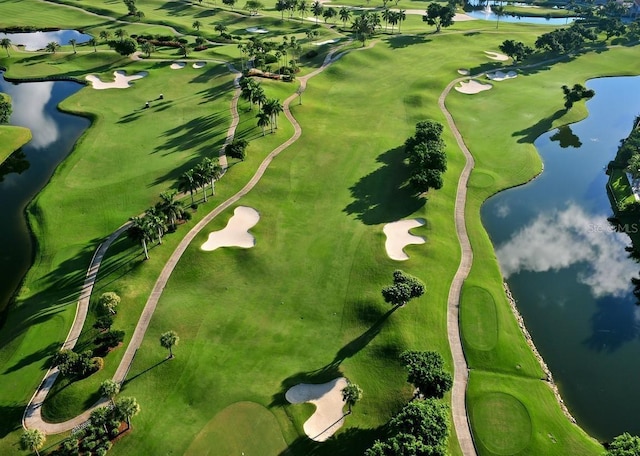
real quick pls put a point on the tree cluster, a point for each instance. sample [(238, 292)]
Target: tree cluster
[(76, 365), (421, 428), (204, 174), (427, 158), (269, 108), (517, 50), (237, 149), (265, 53), (624, 445), (426, 372), (5, 108), (365, 25), (405, 287), (439, 15), (575, 94)]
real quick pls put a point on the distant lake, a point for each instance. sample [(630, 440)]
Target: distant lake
[(34, 41), (27, 171), (569, 271)]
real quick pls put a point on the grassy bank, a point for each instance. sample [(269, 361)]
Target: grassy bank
[(11, 139)]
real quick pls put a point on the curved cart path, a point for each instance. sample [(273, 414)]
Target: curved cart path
[(32, 417)]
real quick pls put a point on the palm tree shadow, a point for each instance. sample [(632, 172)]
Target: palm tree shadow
[(384, 195), (331, 370)]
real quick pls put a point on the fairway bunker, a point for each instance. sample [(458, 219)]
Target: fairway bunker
[(327, 397), (121, 80), (177, 65), (236, 233), (472, 87), (256, 30), (496, 56), (322, 43), (501, 76), (463, 72), (198, 65), (398, 237)]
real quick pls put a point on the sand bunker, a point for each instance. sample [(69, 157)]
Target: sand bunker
[(321, 43), (327, 397), (257, 30), (496, 56), (398, 237), (236, 233), (501, 76), (198, 65), (463, 72), (177, 65), (472, 87), (121, 80)]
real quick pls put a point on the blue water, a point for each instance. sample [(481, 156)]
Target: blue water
[(490, 16), (569, 271), (34, 41), (24, 173)]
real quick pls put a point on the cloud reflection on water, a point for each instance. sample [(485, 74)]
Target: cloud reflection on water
[(29, 110), (34, 41), (560, 239)]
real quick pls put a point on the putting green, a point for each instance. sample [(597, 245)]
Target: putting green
[(244, 428), (480, 179), (502, 423), (479, 320)]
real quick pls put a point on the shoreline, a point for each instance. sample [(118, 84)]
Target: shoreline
[(547, 372)]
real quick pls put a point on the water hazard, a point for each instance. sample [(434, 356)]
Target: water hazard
[(568, 269), (25, 172), (34, 41)]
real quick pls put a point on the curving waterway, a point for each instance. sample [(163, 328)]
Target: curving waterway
[(568, 269), (27, 171)]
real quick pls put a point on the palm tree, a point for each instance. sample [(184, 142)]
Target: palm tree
[(498, 10), (196, 25), (110, 389), (386, 15), (157, 222), (187, 183), (302, 8), (345, 15), (139, 231), (168, 340), (184, 49), (274, 108), (93, 42), (220, 28), (33, 440), (171, 208), (100, 416), (6, 44), (202, 177), (264, 119), (215, 171), (351, 394), (121, 33), (259, 97), (147, 47), (402, 15), (73, 42), (104, 35), (127, 407), (52, 47), (317, 8), (393, 19)]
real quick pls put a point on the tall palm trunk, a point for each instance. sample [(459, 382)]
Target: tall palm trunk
[(144, 246)]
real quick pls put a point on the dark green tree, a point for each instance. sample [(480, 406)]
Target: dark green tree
[(404, 288), (426, 372), (439, 15)]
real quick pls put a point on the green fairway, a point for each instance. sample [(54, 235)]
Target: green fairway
[(11, 139), (304, 304)]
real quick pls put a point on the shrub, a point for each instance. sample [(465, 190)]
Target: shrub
[(110, 339), (97, 364), (103, 323), (108, 302), (311, 54)]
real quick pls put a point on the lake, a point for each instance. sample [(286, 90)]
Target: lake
[(34, 41), (568, 269)]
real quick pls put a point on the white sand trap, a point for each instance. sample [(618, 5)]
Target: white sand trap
[(236, 233), (460, 17), (177, 65), (121, 80), (472, 87), (463, 72), (496, 56), (327, 397), (198, 65), (257, 30), (501, 76), (398, 237), (321, 43)]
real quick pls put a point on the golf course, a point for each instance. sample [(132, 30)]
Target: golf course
[(266, 287)]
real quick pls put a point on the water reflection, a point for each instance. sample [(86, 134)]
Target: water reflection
[(556, 240), (566, 138), (17, 163), (30, 110), (34, 41)]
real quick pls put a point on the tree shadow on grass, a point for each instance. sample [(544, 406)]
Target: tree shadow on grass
[(529, 135), (331, 370), (41, 355), (11, 418), (403, 41), (384, 195), (139, 374), (348, 442)]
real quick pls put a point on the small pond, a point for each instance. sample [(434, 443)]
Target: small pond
[(568, 269), (25, 172), (33, 41)]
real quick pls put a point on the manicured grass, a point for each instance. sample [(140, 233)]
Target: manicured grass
[(304, 304), (11, 139), (619, 184)]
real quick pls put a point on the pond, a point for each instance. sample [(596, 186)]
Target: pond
[(25, 172), (34, 41), (488, 15), (568, 269)]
